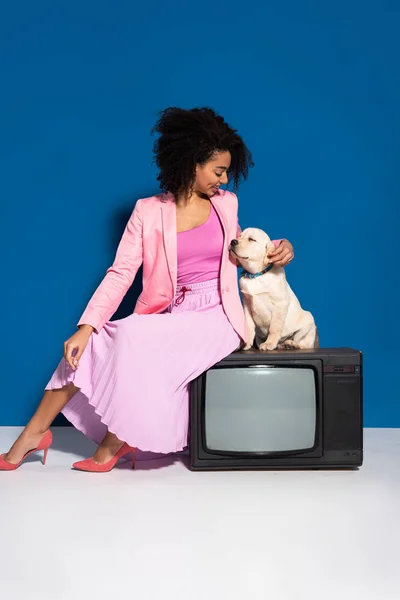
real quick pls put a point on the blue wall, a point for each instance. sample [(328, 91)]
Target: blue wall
[(313, 87)]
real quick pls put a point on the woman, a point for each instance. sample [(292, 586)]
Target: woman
[(124, 384)]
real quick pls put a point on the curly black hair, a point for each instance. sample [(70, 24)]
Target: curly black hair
[(191, 137)]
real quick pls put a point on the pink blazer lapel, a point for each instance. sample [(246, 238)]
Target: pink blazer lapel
[(168, 214), (217, 202)]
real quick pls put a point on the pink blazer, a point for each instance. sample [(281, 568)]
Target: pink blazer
[(150, 238)]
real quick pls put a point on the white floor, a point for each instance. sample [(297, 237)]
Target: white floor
[(162, 532)]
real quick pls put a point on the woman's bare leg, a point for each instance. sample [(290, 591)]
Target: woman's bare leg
[(50, 406)]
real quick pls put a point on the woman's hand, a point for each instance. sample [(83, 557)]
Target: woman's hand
[(283, 255), (76, 345)]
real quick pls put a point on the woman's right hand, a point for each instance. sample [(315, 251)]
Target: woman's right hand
[(75, 345)]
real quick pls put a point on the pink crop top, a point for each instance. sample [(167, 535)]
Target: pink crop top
[(200, 251)]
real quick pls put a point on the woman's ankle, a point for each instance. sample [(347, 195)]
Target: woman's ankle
[(34, 429)]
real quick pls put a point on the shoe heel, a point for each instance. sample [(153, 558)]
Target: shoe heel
[(133, 458), (45, 455)]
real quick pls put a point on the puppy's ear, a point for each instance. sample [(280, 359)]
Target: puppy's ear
[(268, 248)]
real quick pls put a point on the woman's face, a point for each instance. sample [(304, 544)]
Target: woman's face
[(212, 174)]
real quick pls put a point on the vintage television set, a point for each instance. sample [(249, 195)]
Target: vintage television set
[(283, 409)]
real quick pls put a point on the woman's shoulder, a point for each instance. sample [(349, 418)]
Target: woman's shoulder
[(148, 206), (232, 196), (227, 199), (154, 200)]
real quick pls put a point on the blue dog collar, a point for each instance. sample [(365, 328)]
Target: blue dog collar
[(254, 275)]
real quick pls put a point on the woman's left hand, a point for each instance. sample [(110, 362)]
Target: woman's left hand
[(283, 255)]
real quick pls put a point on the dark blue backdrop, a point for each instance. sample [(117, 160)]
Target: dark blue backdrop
[(312, 86)]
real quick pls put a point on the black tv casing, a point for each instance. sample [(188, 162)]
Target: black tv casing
[(339, 423)]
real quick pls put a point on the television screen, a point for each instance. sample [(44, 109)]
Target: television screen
[(260, 409)]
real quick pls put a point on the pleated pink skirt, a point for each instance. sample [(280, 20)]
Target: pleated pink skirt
[(134, 374)]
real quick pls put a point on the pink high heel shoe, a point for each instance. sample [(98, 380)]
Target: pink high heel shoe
[(93, 467), (44, 444)]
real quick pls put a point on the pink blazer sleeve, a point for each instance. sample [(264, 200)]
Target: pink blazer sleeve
[(119, 277), (238, 232)]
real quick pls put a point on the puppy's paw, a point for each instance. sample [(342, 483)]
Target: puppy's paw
[(247, 347), (290, 345), (267, 346)]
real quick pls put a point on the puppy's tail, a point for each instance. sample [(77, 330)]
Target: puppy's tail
[(316, 343)]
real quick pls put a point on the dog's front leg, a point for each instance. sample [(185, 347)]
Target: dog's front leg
[(276, 327), (251, 327)]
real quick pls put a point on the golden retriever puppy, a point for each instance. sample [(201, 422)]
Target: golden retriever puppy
[(270, 306)]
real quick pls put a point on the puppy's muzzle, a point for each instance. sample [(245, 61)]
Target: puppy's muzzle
[(232, 248)]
